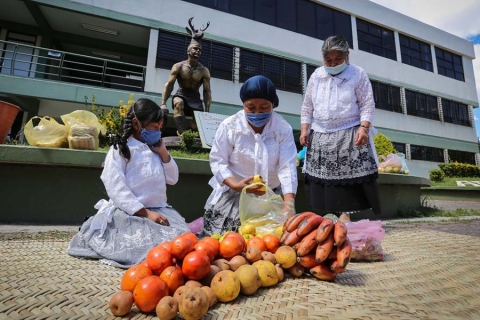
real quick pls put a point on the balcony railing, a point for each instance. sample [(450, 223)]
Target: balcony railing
[(36, 62)]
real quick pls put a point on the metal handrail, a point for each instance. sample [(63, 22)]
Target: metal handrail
[(70, 67)]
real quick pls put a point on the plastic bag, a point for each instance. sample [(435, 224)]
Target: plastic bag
[(196, 225), (267, 213), (83, 129), (390, 164), (366, 237), (47, 133), (404, 169)]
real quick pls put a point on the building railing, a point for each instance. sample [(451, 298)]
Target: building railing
[(37, 62)]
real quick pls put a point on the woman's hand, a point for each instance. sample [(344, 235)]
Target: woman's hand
[(361, 136), (152, 215), (304, 137), (239, 185)]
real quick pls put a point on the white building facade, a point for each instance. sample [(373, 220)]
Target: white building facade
[(422, 77)]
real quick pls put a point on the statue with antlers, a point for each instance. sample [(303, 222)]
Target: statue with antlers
[(190, 76)]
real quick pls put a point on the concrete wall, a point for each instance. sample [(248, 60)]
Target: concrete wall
[(61, 186)]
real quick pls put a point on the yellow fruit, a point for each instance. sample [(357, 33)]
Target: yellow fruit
[(247, 236), (257, 178), (216, 236), (226, 286), (286, 256), (278, 231), (267, 272), (247, 228)]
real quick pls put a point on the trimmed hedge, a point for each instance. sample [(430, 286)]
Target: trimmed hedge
[(455, 169)]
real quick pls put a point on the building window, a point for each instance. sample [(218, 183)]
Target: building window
[(217, 57), (302, 16), (421, 105), (449, 64), (386, 96), (426, 153), (375, 39), (455, 112), (285, 74), (416, 53), (400, 147), (461, 157), (310, 70)]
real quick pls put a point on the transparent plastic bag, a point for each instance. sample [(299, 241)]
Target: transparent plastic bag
[(83, 129), (390, 164), (47, 133), (366, 237), (267, 213), (404, 169)]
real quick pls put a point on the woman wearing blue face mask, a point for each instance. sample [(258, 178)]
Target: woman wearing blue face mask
[(255, 140), (136, 172), (340, 166)]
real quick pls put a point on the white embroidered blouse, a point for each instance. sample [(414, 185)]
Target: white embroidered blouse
[(239, 152), (339, 102), (139, 182)]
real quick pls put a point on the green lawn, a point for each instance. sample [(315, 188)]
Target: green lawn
[(452, 182)]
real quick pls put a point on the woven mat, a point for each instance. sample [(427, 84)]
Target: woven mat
[(426, 274)]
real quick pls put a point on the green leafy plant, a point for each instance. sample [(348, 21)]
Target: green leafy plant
[(188, 140), (436, 175), (111, 119), (383, 145), (455, 169)]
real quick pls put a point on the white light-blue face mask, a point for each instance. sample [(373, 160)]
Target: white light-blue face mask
[(337, 69)]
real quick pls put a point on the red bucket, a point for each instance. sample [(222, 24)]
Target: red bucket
[(8, 113)]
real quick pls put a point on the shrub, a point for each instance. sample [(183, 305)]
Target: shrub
[(455, 169), (383, 145), (188, 139), (436, 175)]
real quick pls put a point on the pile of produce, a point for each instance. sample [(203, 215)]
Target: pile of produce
[(188, 275)]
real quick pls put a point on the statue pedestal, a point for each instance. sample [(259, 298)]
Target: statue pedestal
[(176, 142)]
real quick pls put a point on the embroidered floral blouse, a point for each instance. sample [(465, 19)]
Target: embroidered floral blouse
[(339, 102), (139, 182), (239, 152)]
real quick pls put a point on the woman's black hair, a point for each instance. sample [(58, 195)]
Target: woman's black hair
[(146, 111)]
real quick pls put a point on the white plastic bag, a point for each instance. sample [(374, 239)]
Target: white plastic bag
[(390, 164), (267, 213)]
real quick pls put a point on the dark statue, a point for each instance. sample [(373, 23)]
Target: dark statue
[(190, 76)]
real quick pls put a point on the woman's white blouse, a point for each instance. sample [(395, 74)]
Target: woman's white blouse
[(340, 102), (239, 152), (139, 182)]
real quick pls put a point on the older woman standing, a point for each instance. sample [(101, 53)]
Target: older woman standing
[(255, 140), (337, 112)]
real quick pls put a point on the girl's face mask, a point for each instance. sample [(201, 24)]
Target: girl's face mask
[(150, 137), (258, 119)]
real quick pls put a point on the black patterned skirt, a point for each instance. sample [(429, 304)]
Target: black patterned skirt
[(340, 176)]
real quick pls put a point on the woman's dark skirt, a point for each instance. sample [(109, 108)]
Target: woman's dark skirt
[(340, 176)]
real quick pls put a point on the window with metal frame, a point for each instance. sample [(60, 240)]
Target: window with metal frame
[(449, 64), (416, 53), (426, 153), (310, 70), (461, 156), (375, 39), (386, 96), (421, 105), (285, 74), (455, 112), (302, 16), (217, 57), (400, 147)]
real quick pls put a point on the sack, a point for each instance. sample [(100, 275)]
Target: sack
[(196, 225), (366, 237), (47, 133), (83, 129), (266, 213), (390, 164)]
